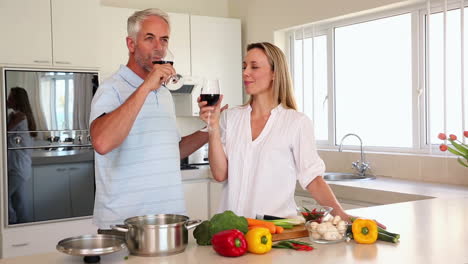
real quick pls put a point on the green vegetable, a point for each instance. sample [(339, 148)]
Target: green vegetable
[(383, 231), (387, 238), (294, 244), (228, 220), (202, 233), (219, 222), (286, 223)]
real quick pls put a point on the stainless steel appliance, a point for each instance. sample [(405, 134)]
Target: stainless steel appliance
[(91, 247), (157, 235), (48, 161)]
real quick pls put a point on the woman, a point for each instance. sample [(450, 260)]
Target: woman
[(263, 147), (19, 160)]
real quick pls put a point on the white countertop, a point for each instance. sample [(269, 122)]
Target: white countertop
[(386, 184), (406, 186), (432, 231)]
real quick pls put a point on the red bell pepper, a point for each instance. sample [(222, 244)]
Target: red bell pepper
[(229, 243)]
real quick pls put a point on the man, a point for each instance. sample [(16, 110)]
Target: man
[(133, 131)]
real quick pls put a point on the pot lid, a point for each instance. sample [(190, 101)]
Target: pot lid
[(91, 245)]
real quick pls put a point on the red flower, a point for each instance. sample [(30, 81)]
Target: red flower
[(453, 137), (442, 136), (466, 134), (443, 147)]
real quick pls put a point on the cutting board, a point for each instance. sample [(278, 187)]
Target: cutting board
[(295, 232)]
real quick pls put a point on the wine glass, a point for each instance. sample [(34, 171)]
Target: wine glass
[(210, 94), (175, 81)]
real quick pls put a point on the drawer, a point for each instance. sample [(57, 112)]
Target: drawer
[(18, 243), (42, 238)]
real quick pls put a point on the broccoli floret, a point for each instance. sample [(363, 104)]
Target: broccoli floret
[(219, 222), (228, 220), (202, 233)]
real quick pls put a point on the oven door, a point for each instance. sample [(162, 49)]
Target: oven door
[(48, 182)]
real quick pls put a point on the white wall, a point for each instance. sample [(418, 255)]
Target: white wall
[(261, 18), (217, 8)]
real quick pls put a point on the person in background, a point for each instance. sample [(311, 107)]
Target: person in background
[(134, 134), (263, 147), (19, 160)]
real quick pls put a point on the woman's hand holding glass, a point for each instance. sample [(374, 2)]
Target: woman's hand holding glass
[(210, 114), (209, 103)]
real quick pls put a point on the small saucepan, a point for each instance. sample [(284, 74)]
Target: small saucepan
[(157, 235)]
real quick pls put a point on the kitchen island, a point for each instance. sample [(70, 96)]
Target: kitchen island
[(432, 231)]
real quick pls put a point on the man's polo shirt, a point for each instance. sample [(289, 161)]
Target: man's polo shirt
[(142, 175)]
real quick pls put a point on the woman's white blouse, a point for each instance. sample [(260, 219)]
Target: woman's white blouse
[(262, 173)]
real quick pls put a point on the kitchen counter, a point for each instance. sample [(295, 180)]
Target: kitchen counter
[(44, 157), (406, 186), (432, 231)]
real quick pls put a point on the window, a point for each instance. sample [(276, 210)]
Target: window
[(453, 70), (368, 75), (373, 89), (59, 96), (313, 99)]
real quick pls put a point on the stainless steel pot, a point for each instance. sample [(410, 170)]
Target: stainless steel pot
[(157, 235)]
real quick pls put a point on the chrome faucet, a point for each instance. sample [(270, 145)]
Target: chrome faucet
[(361, 166)]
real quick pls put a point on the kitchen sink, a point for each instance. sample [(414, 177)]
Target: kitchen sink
[(341, 176)]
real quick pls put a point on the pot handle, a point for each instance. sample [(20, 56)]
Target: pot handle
[(120, 228), (192, 223)]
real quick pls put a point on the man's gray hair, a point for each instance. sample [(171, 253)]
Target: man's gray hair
[(134, 21)]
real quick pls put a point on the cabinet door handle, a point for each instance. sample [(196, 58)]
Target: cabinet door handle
[(61, 169), (20, 245), (41, 61), (62, 62), (73, 169)]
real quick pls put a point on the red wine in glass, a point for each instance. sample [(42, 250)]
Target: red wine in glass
[(163, 62), (175, 81), (211, 99)]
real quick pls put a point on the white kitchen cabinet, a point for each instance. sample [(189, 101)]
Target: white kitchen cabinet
[(179, 42), (216, 54), (112, 45), (112, 33), (196, 199), (35, 239), (59, 33), (216, 189), (25, 31), (74, 32)]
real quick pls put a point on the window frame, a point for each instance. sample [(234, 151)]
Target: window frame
[(420, 123)]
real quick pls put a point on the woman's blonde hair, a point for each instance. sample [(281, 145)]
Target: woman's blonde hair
[(282, 85)]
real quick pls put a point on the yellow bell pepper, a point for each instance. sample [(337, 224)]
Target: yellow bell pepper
[(258, 240), (365, 231)]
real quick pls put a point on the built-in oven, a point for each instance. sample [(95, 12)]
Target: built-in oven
[(48, 160)]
